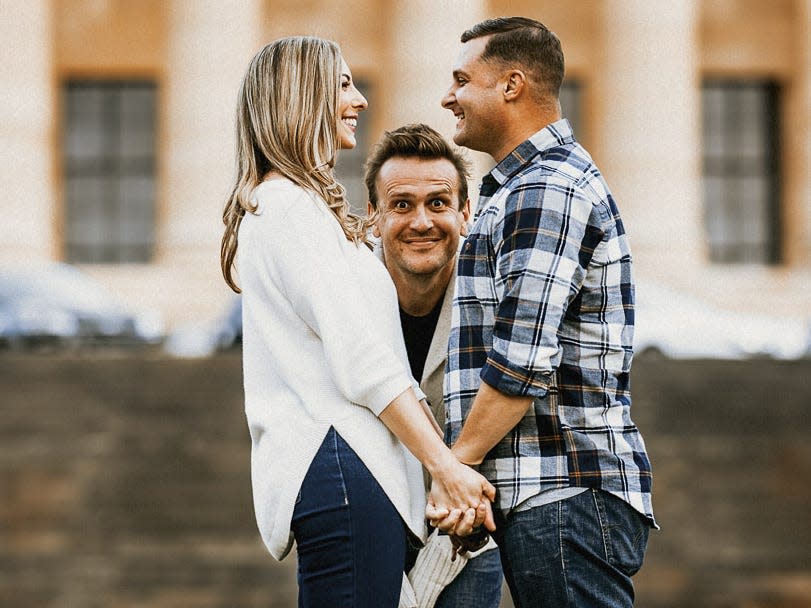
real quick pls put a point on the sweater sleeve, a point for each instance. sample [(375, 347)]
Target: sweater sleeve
[(312, 261)]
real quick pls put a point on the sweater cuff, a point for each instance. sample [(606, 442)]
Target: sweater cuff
[(387, 392), (419, 392)]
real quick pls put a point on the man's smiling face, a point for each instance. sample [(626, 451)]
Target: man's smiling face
[(420, 216), (475, 99)]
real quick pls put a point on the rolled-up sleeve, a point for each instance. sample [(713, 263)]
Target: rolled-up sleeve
[(542, 248)]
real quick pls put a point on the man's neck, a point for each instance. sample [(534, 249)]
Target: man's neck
[(418, 294), (524, 127)]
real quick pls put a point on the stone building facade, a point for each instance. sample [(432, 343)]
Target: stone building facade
[(116, 120)]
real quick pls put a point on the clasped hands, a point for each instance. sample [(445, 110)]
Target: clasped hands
[(460, 503)]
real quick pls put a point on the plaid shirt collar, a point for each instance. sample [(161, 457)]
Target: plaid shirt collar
[(550, 136)]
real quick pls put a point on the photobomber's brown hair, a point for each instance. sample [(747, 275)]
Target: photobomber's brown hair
[(413, 141), (287, 122), (524, 41)]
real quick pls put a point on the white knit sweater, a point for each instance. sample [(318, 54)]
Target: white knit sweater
[(322, 347)]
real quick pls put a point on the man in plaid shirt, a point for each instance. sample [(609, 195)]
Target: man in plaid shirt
[(537, 386)]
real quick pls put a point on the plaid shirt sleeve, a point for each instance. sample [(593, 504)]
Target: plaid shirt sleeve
[(543, 246)]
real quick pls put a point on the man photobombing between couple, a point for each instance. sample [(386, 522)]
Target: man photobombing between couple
[(417, 185), (369, 340)]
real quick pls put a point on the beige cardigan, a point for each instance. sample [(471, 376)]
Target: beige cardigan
[(434, 570), (433, 371)]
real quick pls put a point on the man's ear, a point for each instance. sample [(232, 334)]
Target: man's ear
[(465, 211), (515, 81), (369, 211)]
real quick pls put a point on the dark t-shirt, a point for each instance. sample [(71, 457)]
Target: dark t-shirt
[(418, 332)]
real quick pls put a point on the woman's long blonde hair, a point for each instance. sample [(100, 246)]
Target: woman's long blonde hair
[(287, 122)]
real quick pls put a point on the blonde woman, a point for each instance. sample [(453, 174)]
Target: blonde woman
[(333, 413)]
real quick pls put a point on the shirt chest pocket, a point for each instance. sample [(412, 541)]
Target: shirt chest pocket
[(605, 253), (477, 267), (609, 244)]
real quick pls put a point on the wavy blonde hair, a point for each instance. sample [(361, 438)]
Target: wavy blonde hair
[(287, 122)]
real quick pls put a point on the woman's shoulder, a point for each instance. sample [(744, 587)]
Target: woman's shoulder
[(284, 205), (283, 197), (278, 192)]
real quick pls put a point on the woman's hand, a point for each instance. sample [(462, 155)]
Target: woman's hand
[(460, 499)]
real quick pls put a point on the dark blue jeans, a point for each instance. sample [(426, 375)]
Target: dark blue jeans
[(351, 542), (581, 551), (478, 584)]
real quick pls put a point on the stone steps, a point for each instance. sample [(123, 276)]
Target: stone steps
[(124, 482)]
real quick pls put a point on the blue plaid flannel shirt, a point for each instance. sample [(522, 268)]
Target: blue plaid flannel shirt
[(544, 307)]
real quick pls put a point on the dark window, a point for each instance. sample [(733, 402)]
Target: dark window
[(108, 148), (741, 171), (570, 104)]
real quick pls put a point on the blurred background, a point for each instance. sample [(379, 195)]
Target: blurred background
[(123, 448)]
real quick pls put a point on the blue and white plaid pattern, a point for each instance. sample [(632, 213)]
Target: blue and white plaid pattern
[(544, 307)]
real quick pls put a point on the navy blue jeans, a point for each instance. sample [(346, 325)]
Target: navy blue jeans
[(351, 542), (581, 551), (478, 584)]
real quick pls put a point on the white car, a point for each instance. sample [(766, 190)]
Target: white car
[(681, 326), (205, 339), (57, 303)]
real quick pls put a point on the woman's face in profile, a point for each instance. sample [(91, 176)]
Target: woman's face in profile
[(350, 104)]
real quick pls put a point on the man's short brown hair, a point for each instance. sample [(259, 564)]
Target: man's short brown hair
[(413, 141), (526, 42)]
